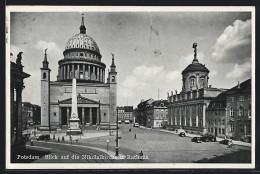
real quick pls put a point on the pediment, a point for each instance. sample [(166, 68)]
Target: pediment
[(80, 100)]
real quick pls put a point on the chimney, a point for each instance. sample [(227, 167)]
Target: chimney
[(238, 85)]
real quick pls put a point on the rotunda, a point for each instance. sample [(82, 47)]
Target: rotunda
[(195, 75)]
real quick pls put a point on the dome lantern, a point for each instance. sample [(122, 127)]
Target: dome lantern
[(82, 27)]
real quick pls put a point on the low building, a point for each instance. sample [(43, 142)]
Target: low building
[(157, 114), (125, 113)]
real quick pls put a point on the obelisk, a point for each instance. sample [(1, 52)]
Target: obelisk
[(74, 126)]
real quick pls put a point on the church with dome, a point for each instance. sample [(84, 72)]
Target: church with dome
[(96, 99), (187, 109)]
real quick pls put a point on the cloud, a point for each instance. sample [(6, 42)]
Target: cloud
[(213, 73), (240, 71), (144, 82), (234, 44)]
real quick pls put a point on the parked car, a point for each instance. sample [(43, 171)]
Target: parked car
[(136, 125), (205, 139), (26, 137), (226, 142), (212, 138), (127, 121), (43, 137), (196, 139), (182, 134), (119, 121)]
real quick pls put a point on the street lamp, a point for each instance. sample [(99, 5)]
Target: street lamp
[(116, 131), (107, 145)]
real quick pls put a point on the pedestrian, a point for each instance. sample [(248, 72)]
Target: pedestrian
[(135, 136), (151, 128), (141, 155)]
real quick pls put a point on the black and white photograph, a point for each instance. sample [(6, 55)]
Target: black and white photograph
[(94, 87)]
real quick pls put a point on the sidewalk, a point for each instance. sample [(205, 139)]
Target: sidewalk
[(194, 135)]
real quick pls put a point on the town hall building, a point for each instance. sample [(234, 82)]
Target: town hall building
[(96, 99)]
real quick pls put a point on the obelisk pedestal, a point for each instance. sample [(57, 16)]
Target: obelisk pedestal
[(74, 122)]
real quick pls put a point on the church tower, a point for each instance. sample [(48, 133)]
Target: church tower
[(112, 76), (45, 92)]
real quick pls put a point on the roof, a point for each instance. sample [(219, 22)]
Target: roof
[(195, 67), (158, 103), (219, 102), (244, 86)]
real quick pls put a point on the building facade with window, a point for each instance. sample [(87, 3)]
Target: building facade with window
[(97, 99), (125, 113), (157, 114), (142, 112), (229, 114), (31, 114), (239, 108), (187, 109)]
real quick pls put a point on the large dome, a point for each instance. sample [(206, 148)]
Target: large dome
[(82, 41)]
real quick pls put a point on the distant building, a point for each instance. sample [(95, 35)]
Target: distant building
[(187, 109), (31, 114), (229, 114), (125, 113), (157, 114), (142, 108)]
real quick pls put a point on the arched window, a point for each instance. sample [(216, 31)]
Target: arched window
[(44, 75), (113, 79), (192, 81)]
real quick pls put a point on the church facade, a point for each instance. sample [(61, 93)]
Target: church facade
[(97, 99)]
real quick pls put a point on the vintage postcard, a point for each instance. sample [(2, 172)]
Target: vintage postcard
[(95, 87)]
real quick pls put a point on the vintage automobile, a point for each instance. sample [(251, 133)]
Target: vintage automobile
[(182, 134), (136, 125), (43, 137), (196, 139)]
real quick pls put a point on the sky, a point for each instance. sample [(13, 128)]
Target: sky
[(151, 48)]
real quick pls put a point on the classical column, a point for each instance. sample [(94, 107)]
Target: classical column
[(94, 74), (19, 124), (83, 116), (78, 72), (68, 115), (98, 74), (68, 72), (185, 112), (64, 72), (190, 107), (101, 75), (73, 71), (90, 116), (175, 116), (204, 115), (61, 73), (89, 72), (180, 115), (98, 116), (84, 71), (171, 115)]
